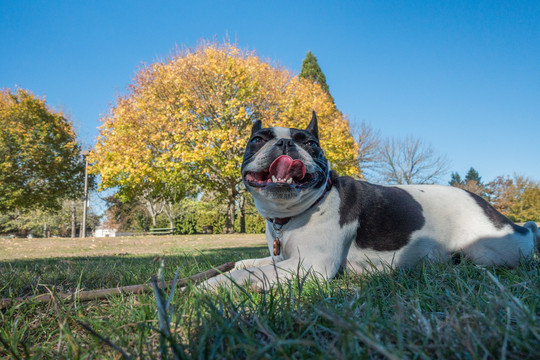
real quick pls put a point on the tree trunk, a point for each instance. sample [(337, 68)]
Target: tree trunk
[(242, 206), (73, 220), (231, 207), (153, 206), (169, 211)]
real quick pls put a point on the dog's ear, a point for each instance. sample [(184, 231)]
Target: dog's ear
[(312, 127), (257, 125)]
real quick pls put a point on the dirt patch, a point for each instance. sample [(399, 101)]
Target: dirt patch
[(13, 249)]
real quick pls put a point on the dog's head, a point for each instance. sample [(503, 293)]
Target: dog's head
[(284, 169)]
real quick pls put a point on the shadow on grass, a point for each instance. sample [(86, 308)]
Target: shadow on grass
[(33, 276)]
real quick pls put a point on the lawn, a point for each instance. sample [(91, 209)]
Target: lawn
[(19, 249), (428, 311)]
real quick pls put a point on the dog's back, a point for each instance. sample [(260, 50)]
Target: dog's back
[(429, 221)]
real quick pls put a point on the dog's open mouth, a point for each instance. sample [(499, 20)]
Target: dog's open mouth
[(283, 171)]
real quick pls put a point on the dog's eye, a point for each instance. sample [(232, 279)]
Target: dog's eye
[(257, 140), (312, 143)]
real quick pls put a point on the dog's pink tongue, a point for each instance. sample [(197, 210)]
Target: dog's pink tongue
[(285, 167)]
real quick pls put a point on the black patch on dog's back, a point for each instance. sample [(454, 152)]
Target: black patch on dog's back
[(387, 216), (497, 219)]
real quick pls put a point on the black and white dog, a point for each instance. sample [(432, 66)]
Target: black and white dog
[(319, 222)]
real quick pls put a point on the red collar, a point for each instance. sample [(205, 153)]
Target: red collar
[(283, 221)]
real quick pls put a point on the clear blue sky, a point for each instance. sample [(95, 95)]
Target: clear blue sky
[(462, 75)]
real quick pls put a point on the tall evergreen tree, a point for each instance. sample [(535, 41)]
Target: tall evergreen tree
[(473, 175), (312, 71), (472, 182), (455, 179)]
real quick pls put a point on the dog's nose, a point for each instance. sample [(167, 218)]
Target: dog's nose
[(285, 144)]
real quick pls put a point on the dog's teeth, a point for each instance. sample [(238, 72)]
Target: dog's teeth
[(274, 178), (289, 181)]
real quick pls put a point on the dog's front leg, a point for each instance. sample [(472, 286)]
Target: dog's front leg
[(242, 273), (249, 263), (264, 277)]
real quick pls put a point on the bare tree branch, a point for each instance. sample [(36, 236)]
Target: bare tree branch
[(368, 141), (410, 161)]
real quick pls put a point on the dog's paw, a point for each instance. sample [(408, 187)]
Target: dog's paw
[(253, 263), (215, 283), (244, 264), (236, 279)]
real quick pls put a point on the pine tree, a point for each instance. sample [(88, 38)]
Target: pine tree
[(473, 175), (455, 179), (472, 182), (312, 71)]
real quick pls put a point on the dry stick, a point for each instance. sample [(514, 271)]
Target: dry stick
[(133, 289)]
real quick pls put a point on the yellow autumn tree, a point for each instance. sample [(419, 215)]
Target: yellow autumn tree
[(40, 158), (185, 123), (518, 198)]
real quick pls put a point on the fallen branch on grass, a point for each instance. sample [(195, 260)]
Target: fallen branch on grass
[(133, 289)]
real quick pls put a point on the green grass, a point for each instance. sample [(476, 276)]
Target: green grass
[(425, 312)]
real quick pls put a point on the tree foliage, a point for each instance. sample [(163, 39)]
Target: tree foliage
[(473, 175), (518, 198), (312, 72), (472, 182), (126, 216), (37, 222), (185, 122), (455, 179), (40, 160)]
